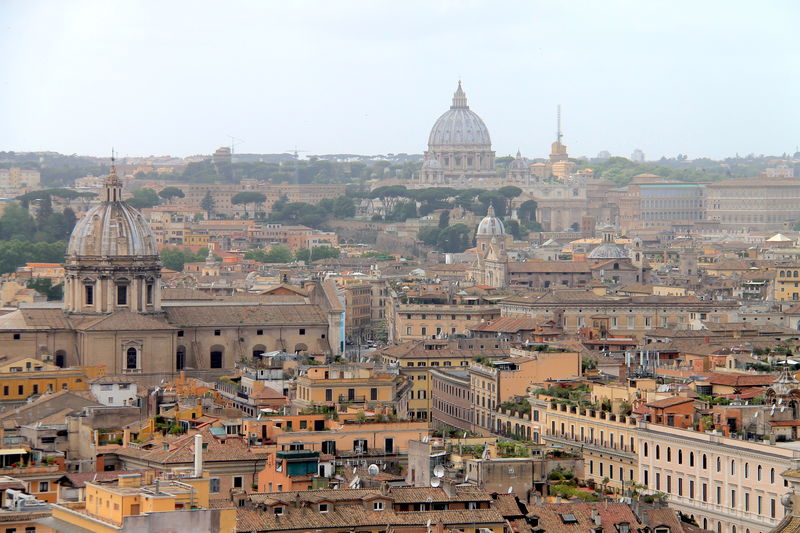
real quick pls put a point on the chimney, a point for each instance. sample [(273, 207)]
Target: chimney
[(198, 455), (126, 436)]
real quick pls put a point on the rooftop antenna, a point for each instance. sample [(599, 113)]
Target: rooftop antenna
[(234, 142), (559, 135)]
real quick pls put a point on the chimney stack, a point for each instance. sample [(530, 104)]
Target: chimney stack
[(198, 455)]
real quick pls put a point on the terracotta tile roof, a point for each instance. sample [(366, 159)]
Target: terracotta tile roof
[(416, 350), (234, 315), (669, 402), (550, 267), (508, 506), (423, 494), (741, 380), (555, 518), (510, 325), (181, 450), (124, 321), (789, 524), (350, 516)]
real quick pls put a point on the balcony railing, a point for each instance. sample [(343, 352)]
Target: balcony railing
[(352, 399)]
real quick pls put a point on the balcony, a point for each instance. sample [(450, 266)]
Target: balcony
[(346, 398)]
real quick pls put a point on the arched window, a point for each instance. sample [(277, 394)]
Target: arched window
[(719, 464), (61, 358), (733, 467), (783, 274), (691, 458), (645, 449), (772, 475), (746, 470), (758, 473), (132, 358), (669, 454), (680, 457), (705, 461), (658, 452)]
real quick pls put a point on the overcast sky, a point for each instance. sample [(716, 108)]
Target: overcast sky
[(702, 78)]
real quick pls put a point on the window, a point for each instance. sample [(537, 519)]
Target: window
[(302, 331), (131, 359), (180, 333), (658, 452), (20, 389), (217, 333), (122, 295), (691, 458), (36, 389), (705, 462), (259, 332), (89, 295), (17, 336), (328, 395), (238, 482), (213, 484), (323, 508), (373, 394), (278, 509), (719, 464), (772, 477), (377, 506), (149, 294), (44, 486)]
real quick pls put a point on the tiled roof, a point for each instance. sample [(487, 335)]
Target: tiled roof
[(669, 402), (416, 350), (550, 267), (181, 450), (124, 321), (509, 325), (552, 517), (741, 380), (350, 516), (235, 315)]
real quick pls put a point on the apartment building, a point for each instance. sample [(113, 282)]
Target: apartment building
[(415, 360), (607, 440), (726, 484), (633, 315)]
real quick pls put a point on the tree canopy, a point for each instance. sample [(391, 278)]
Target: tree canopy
[(143, 198), (168, 193)]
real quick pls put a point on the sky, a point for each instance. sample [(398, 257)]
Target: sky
[(706, 79)]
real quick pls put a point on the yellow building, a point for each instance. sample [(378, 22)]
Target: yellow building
[(607, 440), (787, 283), (18, 178), (29, 377), (351, 385), (127, 504), (417, 357)]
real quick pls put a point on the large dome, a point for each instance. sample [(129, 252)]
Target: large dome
[(112, 229), (459, 126), (608, 251), (491, 225)]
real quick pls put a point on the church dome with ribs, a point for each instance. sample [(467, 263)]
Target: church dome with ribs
[(460, 126)]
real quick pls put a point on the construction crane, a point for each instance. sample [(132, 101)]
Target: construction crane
[(234, 142)]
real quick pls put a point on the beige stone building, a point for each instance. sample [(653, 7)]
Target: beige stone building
[(113, 314)]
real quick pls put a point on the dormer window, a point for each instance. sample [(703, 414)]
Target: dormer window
[(323, 508), (624, 527), (278, 510), (377, 506)]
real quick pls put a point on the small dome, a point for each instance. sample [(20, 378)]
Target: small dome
[(112, 229), (608, 251), (518, 163), (459, 126), (491, 225)]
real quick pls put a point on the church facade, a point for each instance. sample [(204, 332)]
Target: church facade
[(113, 313)]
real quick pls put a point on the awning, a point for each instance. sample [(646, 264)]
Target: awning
[(13, 451)]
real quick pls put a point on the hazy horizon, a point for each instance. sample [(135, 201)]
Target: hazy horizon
[(707, 79)]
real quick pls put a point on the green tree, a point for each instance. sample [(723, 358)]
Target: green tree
[(429, 235), (510, 191), (343, 207), (207, 203), (248, 197), (45, 287), (168, 193), (16, 223), (278, 254), (143, 198), (497, 200), (444, 219), (174, 258), (518, 231), (454, 239)]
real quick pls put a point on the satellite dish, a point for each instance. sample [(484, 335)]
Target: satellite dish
[(438, 471), (510, 490), (373, 470), (435, 482)]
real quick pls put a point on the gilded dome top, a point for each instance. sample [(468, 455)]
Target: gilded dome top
[(460, 126), (112, 228)]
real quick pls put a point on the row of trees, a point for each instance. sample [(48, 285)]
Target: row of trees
[(174, 258), (397, 200), (282, 254)]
